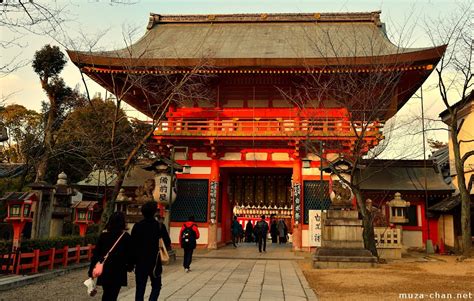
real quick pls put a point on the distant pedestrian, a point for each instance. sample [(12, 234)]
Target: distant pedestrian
[(282, 231), (235, 229), (241, 233), (114, 244), (249, 232), (262, 230), (145, 238), (187, 239), (274, 230)]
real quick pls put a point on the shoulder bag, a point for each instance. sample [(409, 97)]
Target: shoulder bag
[(99, 266)]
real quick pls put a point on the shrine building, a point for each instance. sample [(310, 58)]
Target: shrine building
[(245, 136)]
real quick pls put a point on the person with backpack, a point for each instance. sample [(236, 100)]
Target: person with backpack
[(187, 239), (262, 230), (145, 238)]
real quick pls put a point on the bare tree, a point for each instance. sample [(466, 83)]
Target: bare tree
[(369, 92), (159, 89), (454, 74), (22, 17)]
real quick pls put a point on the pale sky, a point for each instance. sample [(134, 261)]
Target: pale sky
[(91, 18)]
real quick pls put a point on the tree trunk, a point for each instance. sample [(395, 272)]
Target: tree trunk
[(48, 133), (464, 194), (110, 204), (368, 233)]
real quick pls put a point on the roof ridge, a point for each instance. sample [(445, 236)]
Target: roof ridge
[(373, 17)]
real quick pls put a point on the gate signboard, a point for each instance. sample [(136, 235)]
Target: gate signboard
[(315, 227)]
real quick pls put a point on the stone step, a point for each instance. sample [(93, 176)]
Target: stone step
[(347, 252), (343, 244), (345, 259)]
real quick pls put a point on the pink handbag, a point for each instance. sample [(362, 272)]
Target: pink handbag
[(99, 266)]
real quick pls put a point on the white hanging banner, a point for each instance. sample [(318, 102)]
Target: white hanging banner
[(315, 227), (162, 190)]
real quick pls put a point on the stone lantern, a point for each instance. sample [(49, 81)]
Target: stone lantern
[(398, 209), (19, 212), (83, 215), (61, 205), (122, 201)]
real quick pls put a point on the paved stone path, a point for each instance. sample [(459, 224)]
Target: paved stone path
[(260, 277), (233, 279), (226, 274)]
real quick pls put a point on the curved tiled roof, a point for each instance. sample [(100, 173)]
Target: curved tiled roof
[(256, 40)]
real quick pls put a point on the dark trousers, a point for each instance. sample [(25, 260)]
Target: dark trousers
[(235, 239), (141, 277), (274, 238), (111, 292), (262, 239), (188, 257)]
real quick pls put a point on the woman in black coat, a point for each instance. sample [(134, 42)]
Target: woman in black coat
[(119, 261)]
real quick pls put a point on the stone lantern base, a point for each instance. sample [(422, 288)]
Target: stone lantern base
[(342, 245)]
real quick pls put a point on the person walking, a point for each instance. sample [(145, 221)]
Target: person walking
[(145, 238), (249, 232), (273, 230), (235, 229), (187, 239), (282, 230), (114, 250), (262, 230)]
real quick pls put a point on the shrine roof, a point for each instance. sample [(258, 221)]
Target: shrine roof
[(84, 204), (403, 175), (300, 39)]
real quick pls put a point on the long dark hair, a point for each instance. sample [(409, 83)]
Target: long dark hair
[(116, 223)]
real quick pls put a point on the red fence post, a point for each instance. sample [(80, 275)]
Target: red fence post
[(65, 255), (35, 261), (53, 255), (89, 252), (18, 263), (78, 253)]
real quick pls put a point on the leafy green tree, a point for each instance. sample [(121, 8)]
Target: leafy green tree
[(48, 63), (25, 135), (83, 141)]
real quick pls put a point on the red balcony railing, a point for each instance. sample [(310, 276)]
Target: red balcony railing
[(262, 127)]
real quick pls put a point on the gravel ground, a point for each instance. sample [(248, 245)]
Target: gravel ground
[(438, 274), (66, 287)]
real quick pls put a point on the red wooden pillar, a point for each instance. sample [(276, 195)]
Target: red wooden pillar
[(17, 229), (224, 210), (297, 204), (82, 229), (213, 202)]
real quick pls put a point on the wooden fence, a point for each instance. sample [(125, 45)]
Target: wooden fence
[(33, 262)]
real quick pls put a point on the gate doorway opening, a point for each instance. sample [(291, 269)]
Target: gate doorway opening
[(252, 192)]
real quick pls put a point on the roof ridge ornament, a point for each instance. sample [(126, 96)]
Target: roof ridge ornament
[(372, 17)]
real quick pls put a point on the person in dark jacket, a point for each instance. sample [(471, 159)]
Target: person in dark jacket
[(249, 232), (190, 245), (235, 231), (274, 230), (262, 230), (119, 260), (145, 239)]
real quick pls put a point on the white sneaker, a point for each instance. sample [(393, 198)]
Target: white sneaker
[(186, 270)]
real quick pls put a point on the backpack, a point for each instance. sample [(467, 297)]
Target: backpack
[(188, 238)]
